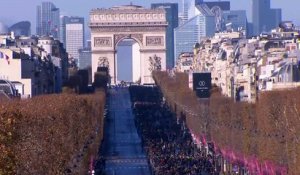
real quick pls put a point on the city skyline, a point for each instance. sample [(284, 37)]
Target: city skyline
[(133, 89), (289, 12), (264, 17)]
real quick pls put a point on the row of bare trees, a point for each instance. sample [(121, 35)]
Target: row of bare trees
[(263, 136), (53, 134)]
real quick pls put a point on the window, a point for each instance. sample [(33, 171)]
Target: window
[(232, 17)]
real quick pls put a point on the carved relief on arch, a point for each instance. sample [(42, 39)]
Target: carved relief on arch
[(137, 37), (154, 63), (103, 62), (102, 42)]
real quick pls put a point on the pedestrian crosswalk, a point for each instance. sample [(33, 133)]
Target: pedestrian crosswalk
[(126, 167), (115, 164), (126, 161)]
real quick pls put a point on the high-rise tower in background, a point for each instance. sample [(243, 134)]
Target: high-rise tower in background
[(236, 19), (202, 19), (185, 10), (194, 30), (47, 20), (62, 29), (21, 28), (172, 19), (190, 11), (74, 36), (223, 5), (264, 18)]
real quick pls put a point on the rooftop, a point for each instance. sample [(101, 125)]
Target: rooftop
[(204, 10), (127, 7)]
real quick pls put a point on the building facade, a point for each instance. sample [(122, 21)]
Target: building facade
[(184, 10), (223, 5), (74, 36), (185, 62), (146, 26), (62, 30), (36, 65), (85, 58), (264, 18), (202, 25), (243, 68), (277, 16), (172, 19), (190, 9), (237, 19), (47, 20), (22, 28), (33, 76)]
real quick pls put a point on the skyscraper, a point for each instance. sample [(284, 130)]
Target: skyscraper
[(190, 10), (21, 28), (172, 19), (237, 19), (224, 5), (194, 30), (74, 36), (47, 20), (85, 58), (277, 15), (264, 18), (62, 35), (185, 10)]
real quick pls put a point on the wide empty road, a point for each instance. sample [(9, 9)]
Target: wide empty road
[(122, 146)]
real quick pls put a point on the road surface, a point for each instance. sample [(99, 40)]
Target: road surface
[(122, 145)]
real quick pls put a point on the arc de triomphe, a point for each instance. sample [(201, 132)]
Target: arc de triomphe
[(146, 26)]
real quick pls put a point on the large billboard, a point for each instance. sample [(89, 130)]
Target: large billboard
[(202, 84)]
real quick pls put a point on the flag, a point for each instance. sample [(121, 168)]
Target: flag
[(7, 59), (4, 56)]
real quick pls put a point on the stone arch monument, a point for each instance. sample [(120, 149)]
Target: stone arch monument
[(146, 26)]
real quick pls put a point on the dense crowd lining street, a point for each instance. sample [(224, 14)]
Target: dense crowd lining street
[(168, 143)]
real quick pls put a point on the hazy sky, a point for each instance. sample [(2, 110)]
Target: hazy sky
[(13, 11), (17, 10)]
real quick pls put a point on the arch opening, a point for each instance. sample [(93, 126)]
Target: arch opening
[(128, 61)]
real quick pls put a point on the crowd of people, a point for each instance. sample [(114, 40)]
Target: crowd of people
[(167, 141)]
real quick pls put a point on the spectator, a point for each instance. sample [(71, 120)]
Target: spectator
[(168, 144)]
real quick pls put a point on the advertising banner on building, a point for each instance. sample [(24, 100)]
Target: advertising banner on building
[(202, 84)]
